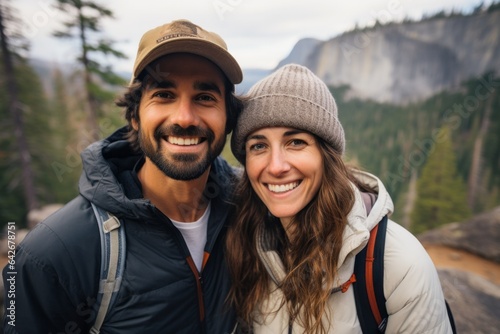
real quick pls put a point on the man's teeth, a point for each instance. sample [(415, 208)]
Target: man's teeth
[(183, 141), (281, 188)]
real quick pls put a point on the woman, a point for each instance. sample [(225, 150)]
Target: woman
[(302, 216)]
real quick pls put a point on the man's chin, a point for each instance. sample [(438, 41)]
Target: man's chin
[(185, 157), (184, 167)]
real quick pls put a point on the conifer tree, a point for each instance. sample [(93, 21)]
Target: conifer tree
[(84, 19), (441, 193), (14, 107), (66, 164)]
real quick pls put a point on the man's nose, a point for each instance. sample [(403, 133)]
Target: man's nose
[(185, 114)]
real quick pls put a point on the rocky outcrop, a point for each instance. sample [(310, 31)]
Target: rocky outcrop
[(479, 235), (402, 63), (473, 300)]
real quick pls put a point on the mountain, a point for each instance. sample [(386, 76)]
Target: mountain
[(250, 77), (301, 51), (406, 62)]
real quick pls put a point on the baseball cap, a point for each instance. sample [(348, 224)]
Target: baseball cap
[(187, 37)]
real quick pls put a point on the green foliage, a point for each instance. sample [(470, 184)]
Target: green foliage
[(495, 5), (441, 191), (227, 154), (55, 138), (441, 14), (64, 163), (394, 142), (43, 126), (83, 23)]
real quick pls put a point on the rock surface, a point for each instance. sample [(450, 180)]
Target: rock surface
[(479, 235), (475, 301)]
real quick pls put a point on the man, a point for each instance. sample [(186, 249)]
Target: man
[(162, 177)]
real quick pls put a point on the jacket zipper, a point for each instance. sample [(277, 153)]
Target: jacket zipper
[(199, 288)]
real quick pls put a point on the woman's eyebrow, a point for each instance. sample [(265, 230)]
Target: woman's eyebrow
[(256, 136), (293, 132)]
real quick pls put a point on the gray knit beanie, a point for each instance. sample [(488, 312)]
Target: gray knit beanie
[(293, 97)]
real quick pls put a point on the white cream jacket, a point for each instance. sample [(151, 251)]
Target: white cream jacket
[(415, 301)]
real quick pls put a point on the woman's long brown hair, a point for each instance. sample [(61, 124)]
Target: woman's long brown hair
[(309, 251)]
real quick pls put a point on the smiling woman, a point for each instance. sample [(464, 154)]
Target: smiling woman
[(284, 167), (302, 217)]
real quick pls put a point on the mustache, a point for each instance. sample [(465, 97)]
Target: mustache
[(178, 131)]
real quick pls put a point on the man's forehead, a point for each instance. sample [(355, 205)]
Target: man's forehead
[(170, 82)]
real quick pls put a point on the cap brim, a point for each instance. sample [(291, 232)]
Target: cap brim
[(206, 49)]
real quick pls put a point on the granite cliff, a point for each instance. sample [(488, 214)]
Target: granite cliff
[(406, 62)]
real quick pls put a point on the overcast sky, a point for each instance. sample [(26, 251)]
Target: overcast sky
[(259, 33)]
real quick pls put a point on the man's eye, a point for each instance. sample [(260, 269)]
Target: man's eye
[(206, 98), (163, 95)]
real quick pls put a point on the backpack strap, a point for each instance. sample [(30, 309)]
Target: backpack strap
[(113, 253), (369, 286)]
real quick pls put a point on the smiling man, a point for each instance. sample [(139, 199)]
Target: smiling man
[(162, 177)]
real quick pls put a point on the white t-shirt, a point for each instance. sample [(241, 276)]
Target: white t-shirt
[(195, 236)]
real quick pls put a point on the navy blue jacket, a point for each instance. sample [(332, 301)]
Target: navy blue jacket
[(58, 263)]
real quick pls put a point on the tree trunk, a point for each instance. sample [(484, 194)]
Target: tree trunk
[(411, 197), (93, 105), (477, 155), (16, 113)]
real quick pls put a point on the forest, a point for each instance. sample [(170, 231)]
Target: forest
[(439, 158)]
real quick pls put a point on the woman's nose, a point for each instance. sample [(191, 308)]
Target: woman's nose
[(278, 163)]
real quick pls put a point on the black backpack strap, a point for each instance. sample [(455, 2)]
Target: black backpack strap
[(450, 317), (367, 311)]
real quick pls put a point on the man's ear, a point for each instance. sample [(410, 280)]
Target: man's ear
[(134, 124)]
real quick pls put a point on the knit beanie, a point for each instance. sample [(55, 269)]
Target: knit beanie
[(292, 97)]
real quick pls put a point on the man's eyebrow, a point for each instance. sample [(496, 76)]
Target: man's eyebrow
[(208, 86), (162, 84)]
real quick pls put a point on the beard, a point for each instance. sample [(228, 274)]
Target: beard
[(181, 166)]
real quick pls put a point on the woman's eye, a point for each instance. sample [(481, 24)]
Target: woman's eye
[(256, 147), (297, 142)]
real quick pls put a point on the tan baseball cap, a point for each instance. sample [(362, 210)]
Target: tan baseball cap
[(185, 36)]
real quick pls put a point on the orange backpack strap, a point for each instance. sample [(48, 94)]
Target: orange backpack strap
[(369, 285)]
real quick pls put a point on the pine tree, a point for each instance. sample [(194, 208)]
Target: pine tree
[(65, 164), (441, 193), (15, 109), (84, 18)]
